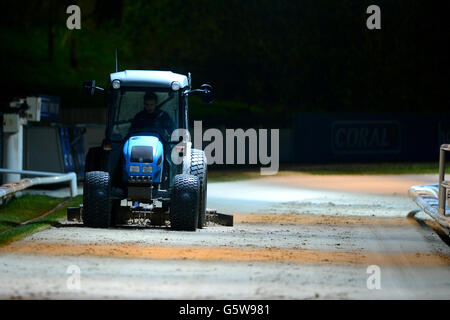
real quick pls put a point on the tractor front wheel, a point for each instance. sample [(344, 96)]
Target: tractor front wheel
[(185, 202), (97, 199)]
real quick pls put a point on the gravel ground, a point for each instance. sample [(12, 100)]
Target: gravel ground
[(290, 241)]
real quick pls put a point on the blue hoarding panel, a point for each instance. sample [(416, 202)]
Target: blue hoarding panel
[(342, 137)]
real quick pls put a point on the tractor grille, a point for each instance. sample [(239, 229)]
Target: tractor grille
[(140, 180)]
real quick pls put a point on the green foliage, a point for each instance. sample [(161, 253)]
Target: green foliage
[(26, 208), (368, 168), (235, 174)]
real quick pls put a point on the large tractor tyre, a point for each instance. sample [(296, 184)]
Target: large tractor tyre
[(97, 200), (199, 168), (185, 203), (94, 159)]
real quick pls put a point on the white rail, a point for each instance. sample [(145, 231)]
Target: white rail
[(426, 197), (46, 178)]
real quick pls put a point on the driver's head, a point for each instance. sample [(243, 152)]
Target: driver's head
[(150, 101)]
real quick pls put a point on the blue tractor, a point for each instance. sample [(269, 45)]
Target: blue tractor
[(145, 170)]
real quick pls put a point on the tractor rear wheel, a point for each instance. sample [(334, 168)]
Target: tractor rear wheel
[(199, 168), (185, 202), (97, 199)]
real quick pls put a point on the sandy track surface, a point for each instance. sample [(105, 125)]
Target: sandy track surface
[(308, 243)]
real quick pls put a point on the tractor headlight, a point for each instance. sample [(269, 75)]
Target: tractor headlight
[(147, 169), (176, 86), (116, 84), (134, 169)]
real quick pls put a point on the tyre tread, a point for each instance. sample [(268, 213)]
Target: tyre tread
[(184, 206), (97, 199)]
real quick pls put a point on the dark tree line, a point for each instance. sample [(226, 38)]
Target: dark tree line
[(310, 55)]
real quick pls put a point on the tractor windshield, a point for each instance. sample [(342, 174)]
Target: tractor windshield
[(144, 110)]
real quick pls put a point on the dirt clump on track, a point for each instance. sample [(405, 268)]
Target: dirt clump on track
[(373, 184), (298, 219), (270, 254)]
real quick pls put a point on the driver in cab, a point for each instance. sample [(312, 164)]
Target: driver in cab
[(152, 118)]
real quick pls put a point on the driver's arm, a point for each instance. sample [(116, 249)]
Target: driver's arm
[(165, 125)]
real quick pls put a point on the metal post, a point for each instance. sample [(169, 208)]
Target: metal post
[(13, 154), (1, 145), (442, 189)]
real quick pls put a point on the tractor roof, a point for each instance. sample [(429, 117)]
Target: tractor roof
[(147, 78)]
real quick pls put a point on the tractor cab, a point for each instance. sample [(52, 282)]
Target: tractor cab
[(137, 134)]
